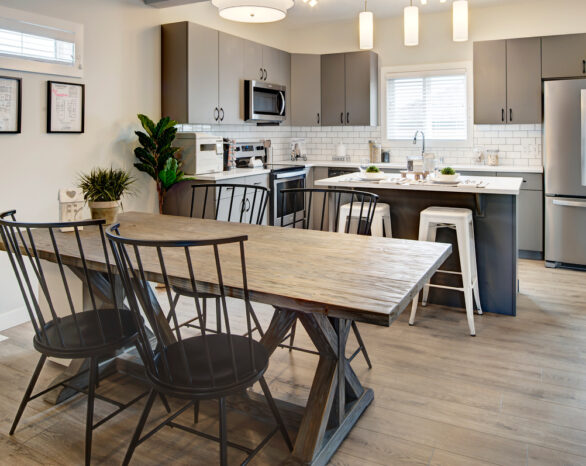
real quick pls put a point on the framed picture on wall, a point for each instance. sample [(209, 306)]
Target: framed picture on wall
[(65, 107), (10, 104)]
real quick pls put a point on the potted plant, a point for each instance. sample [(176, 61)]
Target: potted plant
[(102, 189), (157, 156)]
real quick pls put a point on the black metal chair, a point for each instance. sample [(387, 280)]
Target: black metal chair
[(66, 332), (319, 209), (239, 203), (193, 368)]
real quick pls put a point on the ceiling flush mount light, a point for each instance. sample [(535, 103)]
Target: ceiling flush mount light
[(411, 25), (253, 11), (366, 26), (460, 20), (311, 3)]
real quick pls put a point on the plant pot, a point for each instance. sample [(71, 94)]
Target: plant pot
[(104, 210)]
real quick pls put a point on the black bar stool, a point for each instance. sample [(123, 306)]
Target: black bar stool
[(203, 367), (319, 209), (66, 332), (239, 203)]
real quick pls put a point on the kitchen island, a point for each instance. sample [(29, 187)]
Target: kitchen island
[(493, 201)]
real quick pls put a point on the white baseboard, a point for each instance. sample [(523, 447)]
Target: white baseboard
[(13, 318)]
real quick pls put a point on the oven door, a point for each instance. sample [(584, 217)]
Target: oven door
[(265, 102), (293, 207)]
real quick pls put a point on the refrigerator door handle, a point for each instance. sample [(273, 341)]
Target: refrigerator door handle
[(570, 203)]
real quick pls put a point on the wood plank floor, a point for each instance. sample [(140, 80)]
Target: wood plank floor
[(514, 395)]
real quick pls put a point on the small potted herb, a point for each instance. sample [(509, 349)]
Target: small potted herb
[(372, 172), (447, 175), (102, 189)]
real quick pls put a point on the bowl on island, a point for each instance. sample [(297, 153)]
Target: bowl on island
[(447, 178)]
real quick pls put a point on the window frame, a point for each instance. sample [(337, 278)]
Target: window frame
[(423, 70), (17, 63)]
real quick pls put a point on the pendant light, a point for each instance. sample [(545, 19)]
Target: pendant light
[(460, 20), (411, 25), (366, 27), (253, 11)]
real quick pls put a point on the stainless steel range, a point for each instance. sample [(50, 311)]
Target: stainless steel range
[(286, 177)]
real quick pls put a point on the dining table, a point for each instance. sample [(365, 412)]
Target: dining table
[(326, 280)]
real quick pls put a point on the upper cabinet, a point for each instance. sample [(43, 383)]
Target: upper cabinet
[(305, 109), (507, 81), (203, 73), (349, 89), (564, 56)]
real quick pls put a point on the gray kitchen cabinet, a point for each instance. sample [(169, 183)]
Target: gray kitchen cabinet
[(253, 68), (231, 79), (333, 89), (563, 56), (361, 71), (305, 108), (529, 214), (490, 82), (524, 81), (189, 73), (507, 81), (349, 89)]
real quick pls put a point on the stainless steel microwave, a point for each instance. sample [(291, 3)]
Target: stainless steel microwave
[(264, 101)]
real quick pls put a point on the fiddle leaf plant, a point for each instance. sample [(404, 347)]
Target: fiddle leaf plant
[(156, 154)]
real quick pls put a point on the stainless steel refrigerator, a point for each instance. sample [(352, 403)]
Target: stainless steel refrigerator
[(564, 143)]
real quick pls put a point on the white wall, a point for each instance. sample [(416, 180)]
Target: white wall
[(122, 78)]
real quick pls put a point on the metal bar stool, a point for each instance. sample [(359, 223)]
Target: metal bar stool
[(317, 207), (193, 368), (239, 203), (67, 332), (460, 220)]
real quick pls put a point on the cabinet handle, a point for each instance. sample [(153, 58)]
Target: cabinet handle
[(266, 74), (261, 74), (342, 117), (216, 114), (347, 118), (502, 114), (318, 118), (222, 113), (584, 66), (510, 114)]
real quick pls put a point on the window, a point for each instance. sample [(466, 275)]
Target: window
[(31, 42), (435, 102)]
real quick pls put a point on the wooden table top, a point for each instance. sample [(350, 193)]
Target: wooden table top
[(355, 277)]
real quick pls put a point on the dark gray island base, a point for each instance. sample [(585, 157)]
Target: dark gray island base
[(495, 230)]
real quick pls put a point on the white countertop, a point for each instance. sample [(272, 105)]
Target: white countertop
[(234, 173), (491, 184), (401, 166)]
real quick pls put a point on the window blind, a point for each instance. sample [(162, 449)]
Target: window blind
[(36, 47), (435, 104)]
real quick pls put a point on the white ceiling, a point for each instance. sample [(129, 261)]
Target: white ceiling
[(339, 10)]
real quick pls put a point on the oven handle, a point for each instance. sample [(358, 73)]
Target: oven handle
[(282, 111), (280, 176)]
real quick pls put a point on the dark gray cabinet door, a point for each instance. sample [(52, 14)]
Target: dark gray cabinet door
[(333, 89), (524, 81), (305, 92), (564, 56), (202, 58), (253, 68), (174, 71), (361, 71), (231, 78), (490, 82)]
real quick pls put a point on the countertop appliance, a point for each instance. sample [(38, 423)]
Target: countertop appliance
[(565, 172), (200, 153), (286, 177), (246, 151), (264, 102)]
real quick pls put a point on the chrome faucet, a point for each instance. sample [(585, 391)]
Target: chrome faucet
[(422, 139)]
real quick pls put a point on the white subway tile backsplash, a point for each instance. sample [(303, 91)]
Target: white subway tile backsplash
[(517, 144)]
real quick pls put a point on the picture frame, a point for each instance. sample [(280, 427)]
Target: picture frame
[(65, 107), (10, 105)]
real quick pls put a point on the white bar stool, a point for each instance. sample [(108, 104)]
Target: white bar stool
[(460, 220), (381, 222)]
